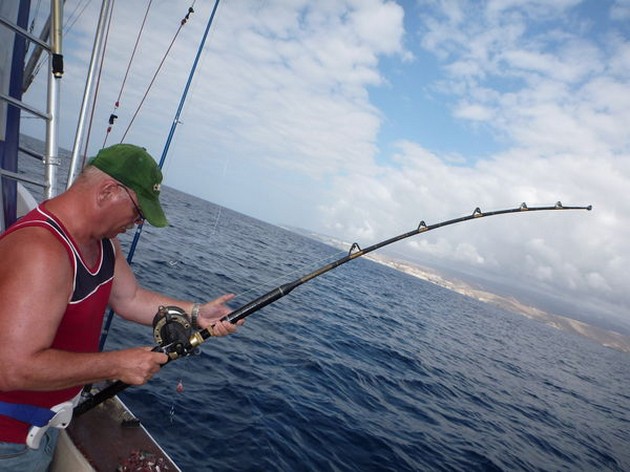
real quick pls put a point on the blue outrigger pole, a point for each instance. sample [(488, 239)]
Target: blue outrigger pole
[(171, 133)]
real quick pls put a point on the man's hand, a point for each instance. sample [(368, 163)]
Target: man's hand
[(138, 365), (211, 312)]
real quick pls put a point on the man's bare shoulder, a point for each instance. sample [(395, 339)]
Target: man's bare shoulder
[(33, 252)]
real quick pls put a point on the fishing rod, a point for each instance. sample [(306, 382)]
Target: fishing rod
[(173, 331)]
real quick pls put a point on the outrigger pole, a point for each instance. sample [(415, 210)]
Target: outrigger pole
[(186, 348), (167, 145)]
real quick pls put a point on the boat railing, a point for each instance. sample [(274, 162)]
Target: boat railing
[(8, 171)]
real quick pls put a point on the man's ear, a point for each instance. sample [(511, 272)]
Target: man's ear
[(107, 190)]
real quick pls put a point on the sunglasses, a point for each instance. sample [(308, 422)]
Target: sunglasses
[(140, 219)]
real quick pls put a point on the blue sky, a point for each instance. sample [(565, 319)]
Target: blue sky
[(359, 118)]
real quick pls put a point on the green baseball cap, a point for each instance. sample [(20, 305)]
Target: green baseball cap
[(134, 167)]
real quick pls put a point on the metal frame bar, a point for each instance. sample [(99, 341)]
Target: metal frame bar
[(24, 33), (24, 106), (21, 178)]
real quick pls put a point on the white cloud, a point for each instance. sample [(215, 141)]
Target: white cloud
[(283, 96), (498, 9), (565, 110), (620, 10), (473, 112)]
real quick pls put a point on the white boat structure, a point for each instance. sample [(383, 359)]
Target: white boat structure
[(108, 437)]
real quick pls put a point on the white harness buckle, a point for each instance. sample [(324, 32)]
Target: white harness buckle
[(61, 420)]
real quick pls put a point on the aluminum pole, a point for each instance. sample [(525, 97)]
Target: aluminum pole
[(97, 52)]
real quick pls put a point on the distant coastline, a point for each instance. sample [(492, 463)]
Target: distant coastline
[(604, 337), (607, 338)]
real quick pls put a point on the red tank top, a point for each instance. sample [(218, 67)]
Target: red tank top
[(80, 327)]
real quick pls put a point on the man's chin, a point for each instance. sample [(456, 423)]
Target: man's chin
[(119, 231)]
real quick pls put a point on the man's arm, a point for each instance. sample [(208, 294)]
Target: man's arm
[(135, 303), (35, 287)]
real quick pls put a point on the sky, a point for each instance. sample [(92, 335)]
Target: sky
[(360, 118)]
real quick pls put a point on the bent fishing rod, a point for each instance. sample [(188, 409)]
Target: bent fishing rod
[(173, 331)]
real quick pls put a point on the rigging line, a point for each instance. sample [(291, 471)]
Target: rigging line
[(71, 21), (35, 14), (97, 87), (112, 116), (199, 337), (181, 25), (133, 53)]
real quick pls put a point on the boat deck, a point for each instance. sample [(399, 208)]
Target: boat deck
[(109, 438)]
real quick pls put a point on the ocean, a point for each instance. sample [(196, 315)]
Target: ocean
[(364, 368)]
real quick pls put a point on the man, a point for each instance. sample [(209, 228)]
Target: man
[(60, 266)]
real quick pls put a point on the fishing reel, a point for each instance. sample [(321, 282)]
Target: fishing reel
[(172, 330)]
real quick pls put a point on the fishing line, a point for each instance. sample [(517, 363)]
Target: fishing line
[(179, 389), (211, 235), (188, 89), (223, 174), (228, 159)]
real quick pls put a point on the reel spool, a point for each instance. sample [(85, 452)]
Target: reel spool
[(172, 330)]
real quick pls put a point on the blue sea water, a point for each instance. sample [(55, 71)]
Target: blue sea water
[(364, 368)]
